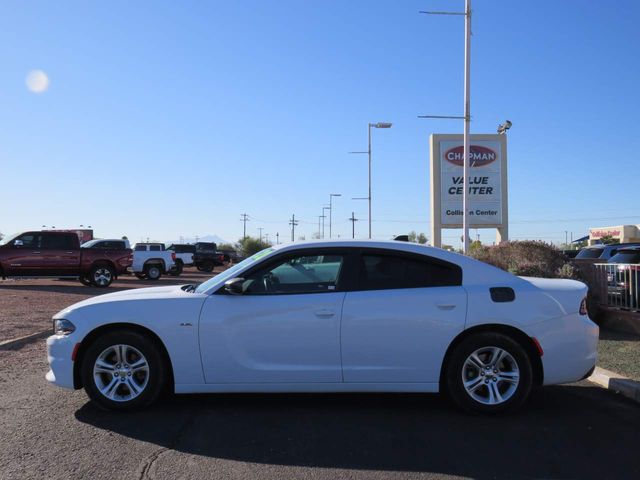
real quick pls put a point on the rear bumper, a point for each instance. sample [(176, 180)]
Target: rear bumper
[(570, 346)]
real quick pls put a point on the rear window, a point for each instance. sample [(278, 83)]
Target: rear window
[(141, 248), (154, 248), (626, 256), (206, 247), (590, 253)]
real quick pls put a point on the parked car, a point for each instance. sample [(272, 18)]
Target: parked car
[(184, 257), (58, 254), (335, 316), (107, 244), (602, 252), (152, 260), (623, 278), (207, 256)]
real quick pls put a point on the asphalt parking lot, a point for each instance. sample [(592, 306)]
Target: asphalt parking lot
[(574, 431)]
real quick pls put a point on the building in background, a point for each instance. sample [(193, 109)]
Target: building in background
[(622, 233)]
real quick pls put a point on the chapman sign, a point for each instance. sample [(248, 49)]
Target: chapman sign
[(487, 183)]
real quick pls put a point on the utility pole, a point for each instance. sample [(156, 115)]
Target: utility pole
[(293, 224), (277, 238), (266, 237), (260, 228), (319, 230), (244, 220), (466, 118), (566, 237), (353, 221)]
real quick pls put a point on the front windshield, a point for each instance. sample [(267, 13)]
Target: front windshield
[(8, 239), (231, 272)]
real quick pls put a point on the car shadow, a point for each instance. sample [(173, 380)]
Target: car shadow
[(563, 432)]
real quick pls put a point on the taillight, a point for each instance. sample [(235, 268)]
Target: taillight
[(583, 306), (173, 256)]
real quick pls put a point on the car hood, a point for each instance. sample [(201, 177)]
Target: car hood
[(173, 291)]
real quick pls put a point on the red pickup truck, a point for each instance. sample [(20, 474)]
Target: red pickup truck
[(59, 255)]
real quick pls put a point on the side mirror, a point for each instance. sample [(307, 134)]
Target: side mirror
[(234, 286), (18, 243)]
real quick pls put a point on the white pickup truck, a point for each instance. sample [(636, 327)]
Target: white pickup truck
[(151, 260)]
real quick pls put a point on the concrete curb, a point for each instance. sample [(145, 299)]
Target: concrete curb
[(617, 383), (20, 341)]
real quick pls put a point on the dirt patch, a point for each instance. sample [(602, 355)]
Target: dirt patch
[(26, 306)]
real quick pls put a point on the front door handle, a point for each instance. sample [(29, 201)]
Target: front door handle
[(325, 312), (446, 306), (35, 252)]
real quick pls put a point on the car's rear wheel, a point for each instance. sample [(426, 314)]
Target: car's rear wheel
[(489, 373), (176, 270), (153, 272), (208, 266), (101, 276), (123, 370)]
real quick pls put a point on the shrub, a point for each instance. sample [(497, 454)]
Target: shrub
[(527, 258)]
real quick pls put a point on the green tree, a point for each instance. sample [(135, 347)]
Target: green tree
[(417, 237), (250, 245), (609, 240), (227, 246)]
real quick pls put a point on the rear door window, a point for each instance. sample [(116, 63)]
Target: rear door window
[(57, 242), (384, 271)]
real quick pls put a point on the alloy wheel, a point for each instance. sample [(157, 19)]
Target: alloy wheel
[(121, 373), (490, 375), (102, 276)]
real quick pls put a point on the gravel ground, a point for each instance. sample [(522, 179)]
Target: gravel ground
[(574, 431), (26, 306), (620, 353)]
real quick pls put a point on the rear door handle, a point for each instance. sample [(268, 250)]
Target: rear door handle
[(325, 312), (446, 306), (35, 252)]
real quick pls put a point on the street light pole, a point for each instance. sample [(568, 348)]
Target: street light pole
[(467, 121), (331, 195), (368, 152), (323, 217)]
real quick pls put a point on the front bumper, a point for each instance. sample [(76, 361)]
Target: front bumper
[(59, 352)]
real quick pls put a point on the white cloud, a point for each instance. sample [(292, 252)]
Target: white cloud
[(37, 81)]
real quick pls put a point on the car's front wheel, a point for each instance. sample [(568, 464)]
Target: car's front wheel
[(123, 370), (489, 373)]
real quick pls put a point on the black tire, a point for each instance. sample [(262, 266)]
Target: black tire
[(85, 281), (208, 267), (153, 271), (101, 276), (484, 382), (151, 382), (199, 267), (176, 270), (141, 276)]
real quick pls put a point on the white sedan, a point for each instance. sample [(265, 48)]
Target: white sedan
[(345, 316)]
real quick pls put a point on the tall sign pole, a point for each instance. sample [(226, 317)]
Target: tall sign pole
[(467, 121)]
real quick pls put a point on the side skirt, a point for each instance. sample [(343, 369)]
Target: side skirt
[(305, 387)]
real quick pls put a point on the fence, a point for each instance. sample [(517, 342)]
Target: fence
[(617, 285)]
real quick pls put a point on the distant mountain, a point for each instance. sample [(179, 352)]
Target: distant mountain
[(203, 238)]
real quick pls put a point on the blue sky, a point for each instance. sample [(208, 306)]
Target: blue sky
[(165, 119)]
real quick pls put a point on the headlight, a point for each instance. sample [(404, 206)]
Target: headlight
[(63, 327)]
